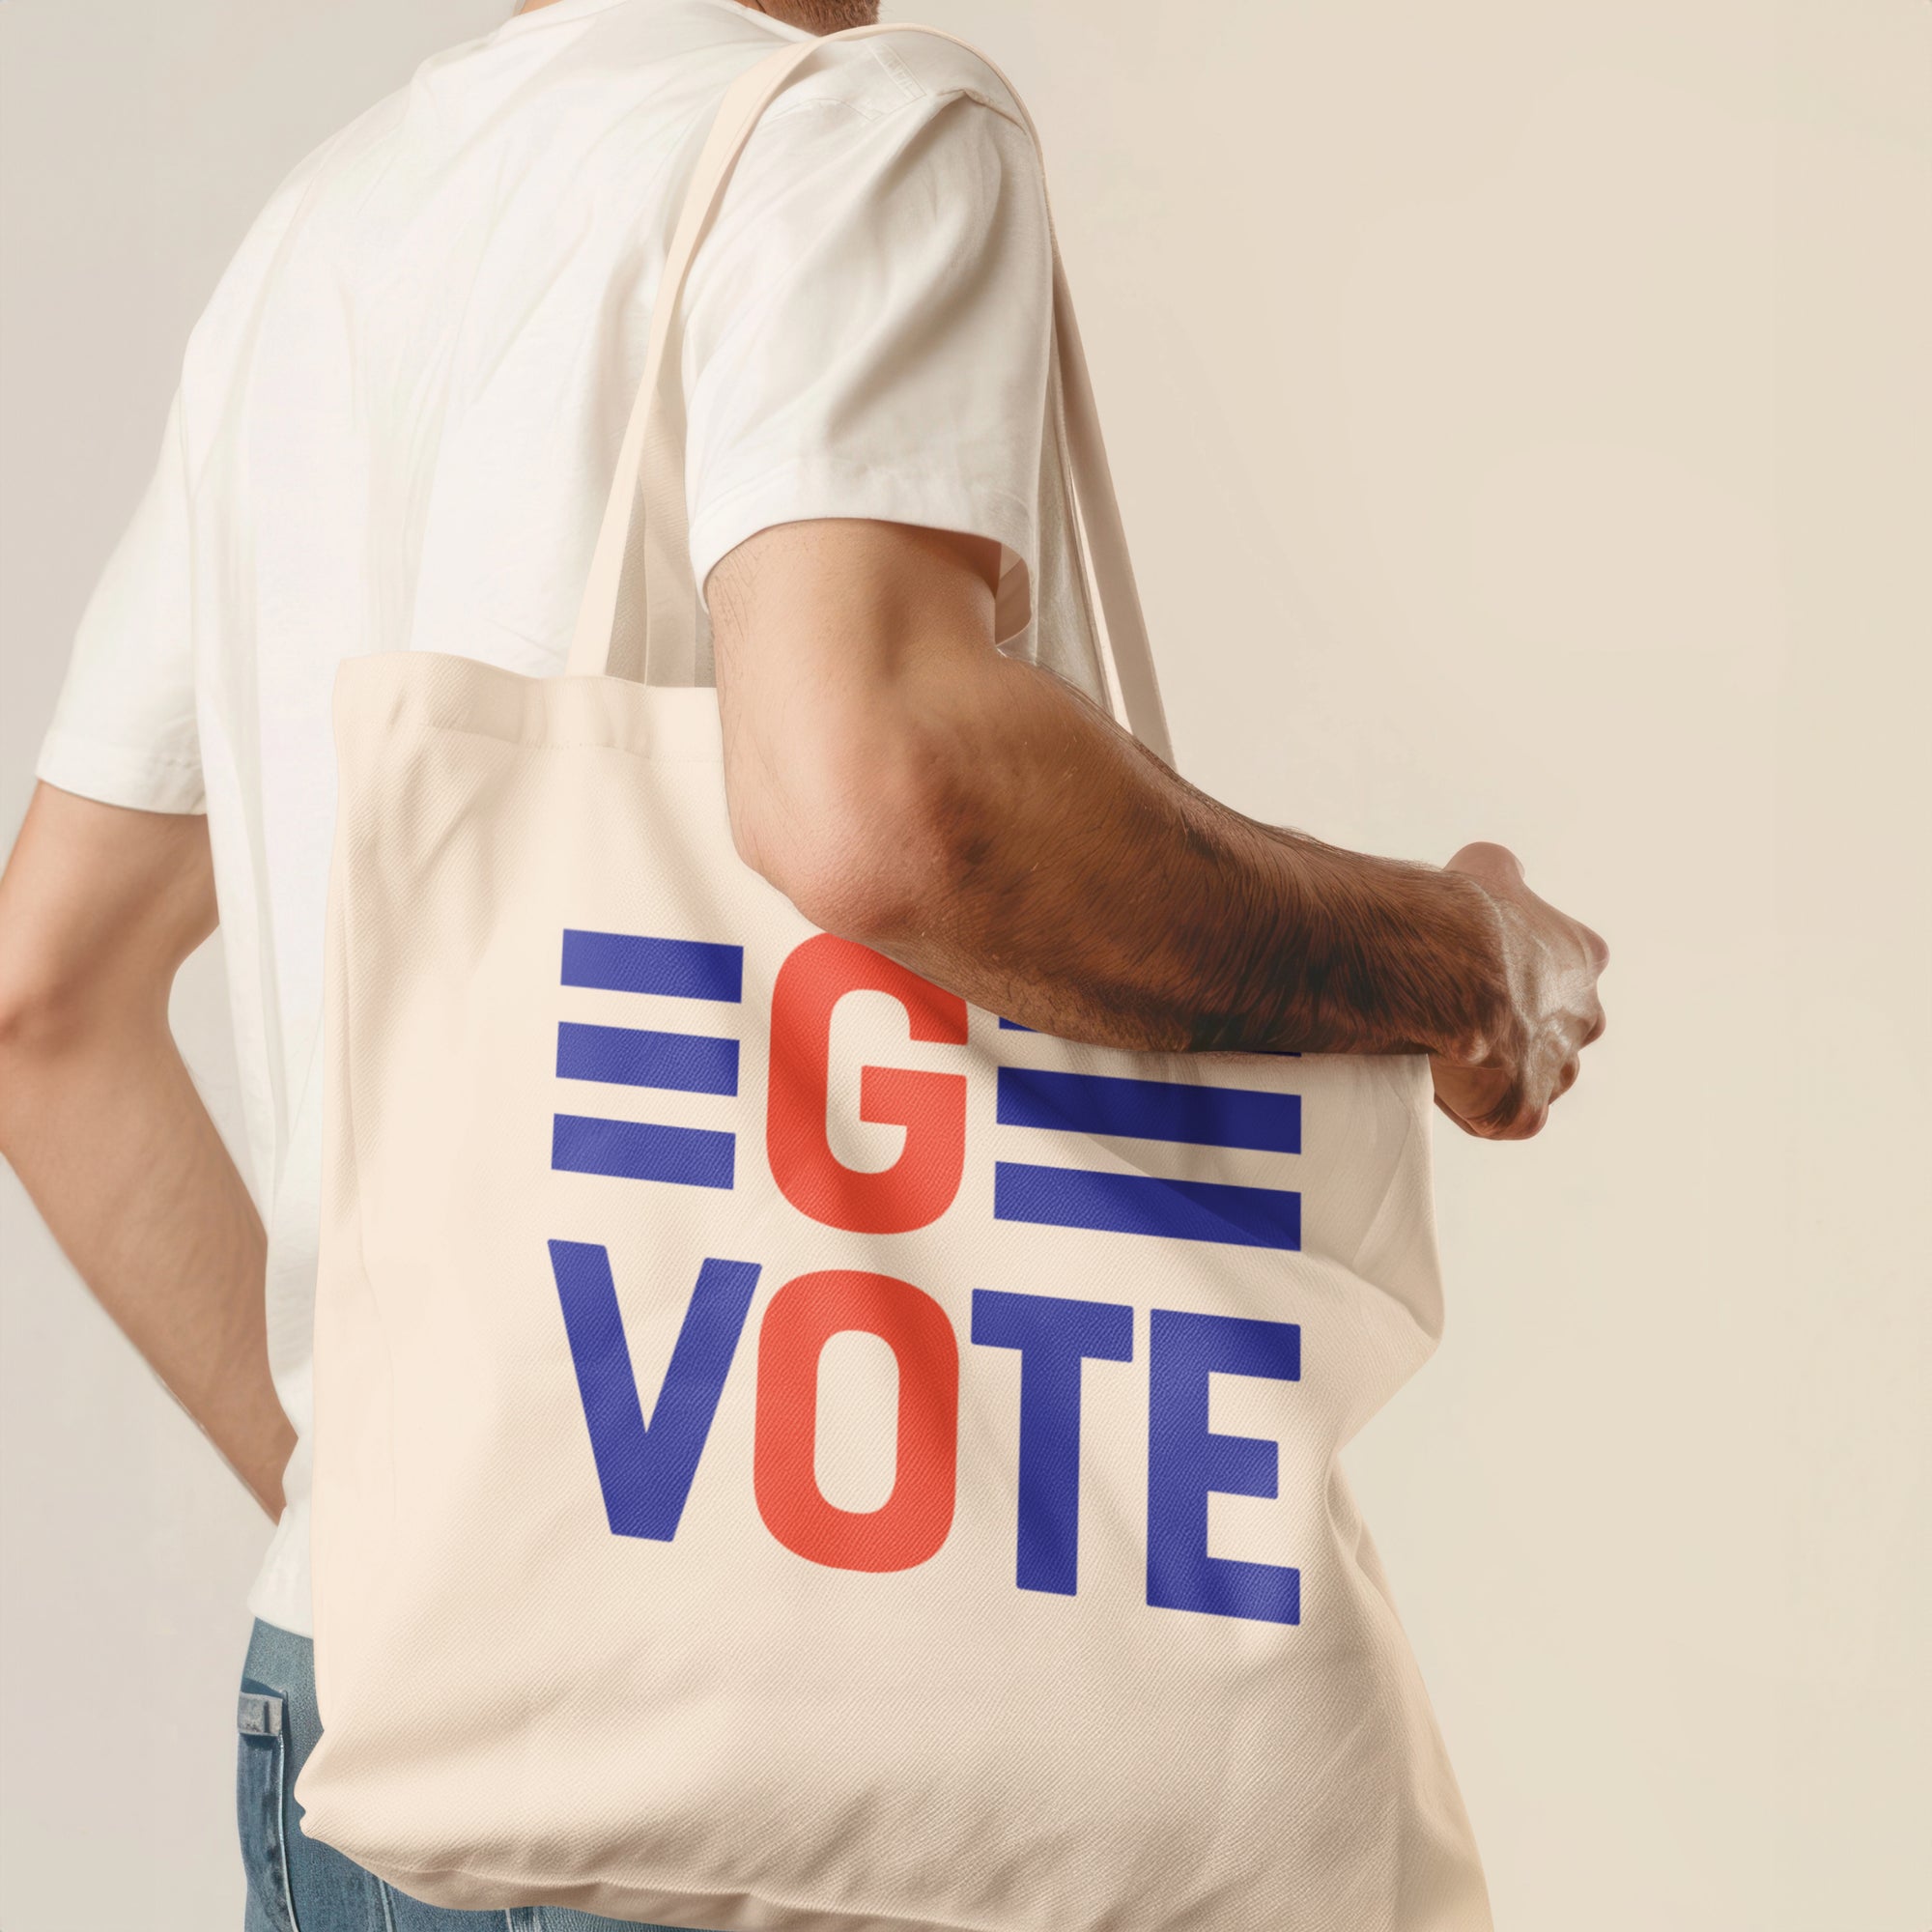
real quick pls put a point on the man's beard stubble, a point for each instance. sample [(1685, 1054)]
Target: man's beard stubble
[(821, 17)]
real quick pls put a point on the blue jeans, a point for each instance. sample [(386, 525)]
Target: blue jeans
[(297, 1884)]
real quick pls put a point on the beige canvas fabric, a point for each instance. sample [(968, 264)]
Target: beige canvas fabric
[(796, 1454)]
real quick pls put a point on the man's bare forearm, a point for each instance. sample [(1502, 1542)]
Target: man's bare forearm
[(904, 783), (1033, 857), (99, 906), (119, 1153)]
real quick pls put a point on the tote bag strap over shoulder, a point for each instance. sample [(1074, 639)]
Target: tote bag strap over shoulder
[(651, 602)]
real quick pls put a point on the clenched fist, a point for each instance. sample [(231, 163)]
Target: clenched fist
[(1503, 1083)]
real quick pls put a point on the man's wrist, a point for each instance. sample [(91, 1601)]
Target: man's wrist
[(1379, 955), (1474, 1009)]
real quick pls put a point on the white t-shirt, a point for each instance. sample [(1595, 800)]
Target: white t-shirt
[(398, 418)]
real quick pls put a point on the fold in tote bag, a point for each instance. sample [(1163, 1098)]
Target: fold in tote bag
[(794, 1452)]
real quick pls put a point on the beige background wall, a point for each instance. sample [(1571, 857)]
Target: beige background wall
[(1521, 411)]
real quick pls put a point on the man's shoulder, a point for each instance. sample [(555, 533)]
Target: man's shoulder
[(327, 176), (909, 68)]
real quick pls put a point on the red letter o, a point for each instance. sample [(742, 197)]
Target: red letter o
[(914, 1520)]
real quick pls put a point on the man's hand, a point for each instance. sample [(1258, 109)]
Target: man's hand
[(1502, 1086), (907, 785), (98, 907)]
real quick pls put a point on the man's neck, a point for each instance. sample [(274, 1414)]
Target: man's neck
[(815, 16)]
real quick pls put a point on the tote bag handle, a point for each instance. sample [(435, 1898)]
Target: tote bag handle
[(656, 597)]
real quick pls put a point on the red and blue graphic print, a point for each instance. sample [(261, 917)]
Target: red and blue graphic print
[(646, 1467)]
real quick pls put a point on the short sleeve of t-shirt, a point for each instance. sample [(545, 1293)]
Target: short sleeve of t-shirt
[(124, 730), (868, 324)]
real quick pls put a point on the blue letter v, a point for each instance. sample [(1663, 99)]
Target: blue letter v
[(646, 1472)]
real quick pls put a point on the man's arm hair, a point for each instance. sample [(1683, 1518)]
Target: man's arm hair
[(907, 785), (99, 906)]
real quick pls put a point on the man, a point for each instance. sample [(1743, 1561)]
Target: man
[(395, 428)]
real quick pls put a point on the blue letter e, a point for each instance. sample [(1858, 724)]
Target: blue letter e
[(1187, 1462)]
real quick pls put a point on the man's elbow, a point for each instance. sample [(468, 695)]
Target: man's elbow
[(869, 849), (41, 1022), (40, 1014), (55, 1010)]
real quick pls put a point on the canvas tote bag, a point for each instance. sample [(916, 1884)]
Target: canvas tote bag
[(794, 1452)]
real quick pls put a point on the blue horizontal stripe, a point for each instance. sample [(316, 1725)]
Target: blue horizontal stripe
[(1151, 1110), (1142, 1203), (1014, 1026), (636, 1150), (679, 968), (686, 1062)]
